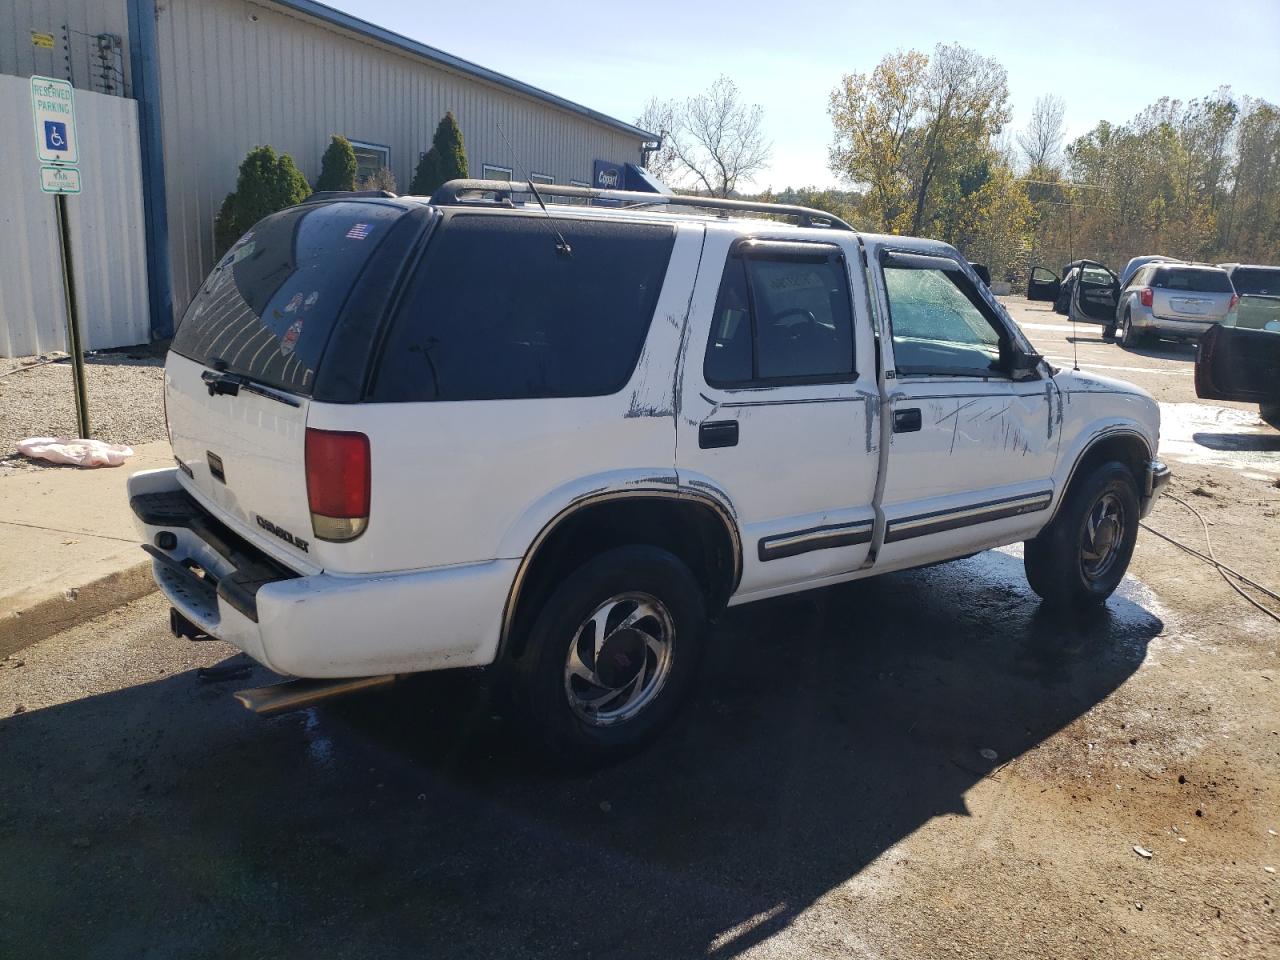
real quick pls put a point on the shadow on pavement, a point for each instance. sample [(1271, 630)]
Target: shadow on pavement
[(161, 820), (1254, 442)]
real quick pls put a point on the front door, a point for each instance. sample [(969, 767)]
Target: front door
[(1235, 362), (779, 404), (971, 448)]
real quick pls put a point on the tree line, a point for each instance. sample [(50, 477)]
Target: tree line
[(922, 144)]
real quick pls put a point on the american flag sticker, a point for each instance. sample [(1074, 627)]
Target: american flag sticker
[(359, 232)]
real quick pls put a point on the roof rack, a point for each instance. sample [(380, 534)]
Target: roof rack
[(461, 192)]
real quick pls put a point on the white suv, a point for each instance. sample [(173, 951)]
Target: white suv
[(419, 434)]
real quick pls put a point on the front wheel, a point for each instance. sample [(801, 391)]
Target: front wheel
[(611, 656), (1081, 557)]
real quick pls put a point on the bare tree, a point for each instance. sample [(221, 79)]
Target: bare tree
[(718, 140), (659, 117), (1041, 141)]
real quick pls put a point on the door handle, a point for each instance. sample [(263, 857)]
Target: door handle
[(906, 421), (718, 433)]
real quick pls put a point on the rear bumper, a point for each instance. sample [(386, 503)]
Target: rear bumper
[(1147, 321), (320, 626), (1157, 477)]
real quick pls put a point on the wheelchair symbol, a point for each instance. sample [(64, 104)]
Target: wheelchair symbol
[(55, 135)]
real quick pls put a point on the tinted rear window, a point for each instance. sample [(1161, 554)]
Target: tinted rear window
[(1183, 278), (270, 304), (495, 311), (1257, 282)]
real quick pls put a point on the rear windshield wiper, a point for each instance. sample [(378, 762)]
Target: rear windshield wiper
[(221, 383)]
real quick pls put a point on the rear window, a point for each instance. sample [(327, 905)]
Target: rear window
[(1252, 281), (496, 311), (271, 302), (1184, 278)]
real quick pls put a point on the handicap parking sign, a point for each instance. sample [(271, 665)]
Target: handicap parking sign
[(55, 135), (53, 108)]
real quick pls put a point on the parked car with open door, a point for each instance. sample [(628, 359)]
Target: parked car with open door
[(1094, 294), (1241, 362)]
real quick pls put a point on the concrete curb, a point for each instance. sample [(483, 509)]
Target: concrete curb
[(22, 628)]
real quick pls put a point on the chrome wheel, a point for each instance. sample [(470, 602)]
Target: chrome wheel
[(619, 658), (1102, 536)]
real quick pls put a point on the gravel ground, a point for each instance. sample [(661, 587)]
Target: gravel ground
[(126, 399)]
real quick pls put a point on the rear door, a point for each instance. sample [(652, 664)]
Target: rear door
[(242, 369), (780, 403), (1043, 284), (1238, 363), (1094, 297)]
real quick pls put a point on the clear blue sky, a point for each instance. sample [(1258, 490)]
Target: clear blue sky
[(1107, 60)]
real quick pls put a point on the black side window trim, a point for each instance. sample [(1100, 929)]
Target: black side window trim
[(787, 251), (965, 286)]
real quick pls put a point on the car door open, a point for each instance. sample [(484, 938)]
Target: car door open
[(1043, 284)]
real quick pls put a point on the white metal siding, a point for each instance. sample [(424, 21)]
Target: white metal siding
[(84, 18), (108, 240), (230, 84)]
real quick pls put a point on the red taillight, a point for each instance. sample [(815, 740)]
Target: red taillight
[(1144, 296), (338, 483), (1235, 298)]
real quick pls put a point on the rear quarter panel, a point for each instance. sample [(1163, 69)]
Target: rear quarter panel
[(470, 481)]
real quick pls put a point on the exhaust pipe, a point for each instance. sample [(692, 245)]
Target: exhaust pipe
[(297, 694)]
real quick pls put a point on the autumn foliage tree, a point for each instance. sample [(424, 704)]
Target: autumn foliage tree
[(917, 135)]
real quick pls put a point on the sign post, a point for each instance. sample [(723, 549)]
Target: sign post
[(58, 150)]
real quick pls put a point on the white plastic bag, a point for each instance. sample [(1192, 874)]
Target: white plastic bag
[(77, 452)]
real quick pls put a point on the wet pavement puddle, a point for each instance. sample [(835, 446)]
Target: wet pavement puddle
[(1201, 433)]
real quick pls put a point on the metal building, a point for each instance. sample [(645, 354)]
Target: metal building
[(214, 78)]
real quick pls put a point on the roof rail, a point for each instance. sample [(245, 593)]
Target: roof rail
[(460, 192), (347, 195)]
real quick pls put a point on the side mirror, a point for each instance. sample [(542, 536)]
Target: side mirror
[(983, 273), (1024, 366)]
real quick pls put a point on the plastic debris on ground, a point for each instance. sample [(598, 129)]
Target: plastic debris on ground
[(77, 452)]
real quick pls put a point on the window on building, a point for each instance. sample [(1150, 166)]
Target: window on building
[(542, 178), (578, 183), (491, 171), (782, 315), (370, 158)]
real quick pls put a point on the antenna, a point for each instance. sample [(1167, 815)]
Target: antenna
[(1071, 313), (562, 245)]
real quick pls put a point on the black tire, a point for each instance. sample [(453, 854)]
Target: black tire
[(538, 682), (1129, 337), (1058, 562)]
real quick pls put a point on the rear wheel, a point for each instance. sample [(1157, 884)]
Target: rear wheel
[(1081, 557), (611, 656), (1129, 337)]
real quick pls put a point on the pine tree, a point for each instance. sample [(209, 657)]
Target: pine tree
[(337, 166), (445, 161), (266, 183)]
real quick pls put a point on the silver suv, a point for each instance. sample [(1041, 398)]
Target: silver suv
[(1175, 300)]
